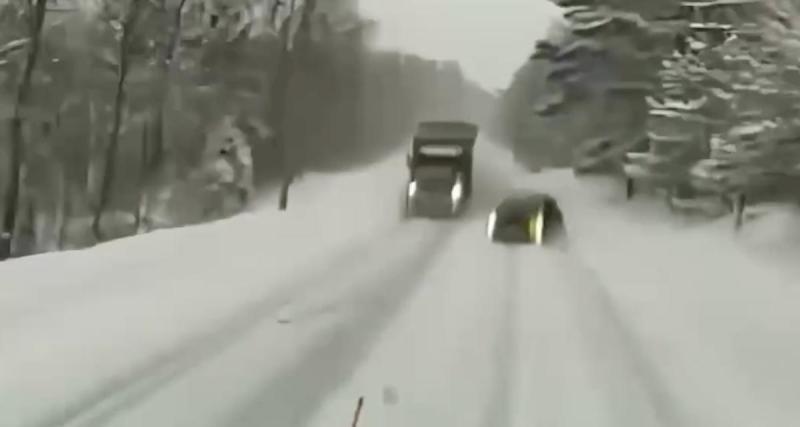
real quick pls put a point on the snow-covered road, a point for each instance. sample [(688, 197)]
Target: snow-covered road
[(285, 320)]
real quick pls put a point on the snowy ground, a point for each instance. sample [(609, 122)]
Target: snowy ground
[(276, 319)]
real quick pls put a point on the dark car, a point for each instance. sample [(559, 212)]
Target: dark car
[(527, 219)]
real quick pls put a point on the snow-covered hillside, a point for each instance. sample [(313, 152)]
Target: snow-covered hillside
[(286, 319)]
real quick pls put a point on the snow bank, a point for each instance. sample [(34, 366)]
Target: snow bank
[(72, 324)]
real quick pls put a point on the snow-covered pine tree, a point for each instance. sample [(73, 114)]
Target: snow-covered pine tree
[(605, 70), (760, 140), (753, 149), (684, 111)]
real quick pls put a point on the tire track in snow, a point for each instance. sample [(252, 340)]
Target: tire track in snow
[(291, 398), (120, 393), (610, 336), (500, 406)]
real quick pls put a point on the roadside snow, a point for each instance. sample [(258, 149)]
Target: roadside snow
[(717, 313), (75, 325)]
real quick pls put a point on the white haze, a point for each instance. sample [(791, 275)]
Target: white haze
[(489, 38)]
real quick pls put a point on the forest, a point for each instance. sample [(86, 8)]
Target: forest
[(696, 100), (123, 116), (120, 117)]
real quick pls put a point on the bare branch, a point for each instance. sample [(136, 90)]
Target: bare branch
[(358, 411)]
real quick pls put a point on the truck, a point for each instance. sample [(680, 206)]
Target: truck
[(440, 169)]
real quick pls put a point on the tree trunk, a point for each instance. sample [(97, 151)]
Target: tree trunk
[(280, 91), (158, 153), (119, 102), (65, 215), (13, 191), (630, 188), (16, 136), (279, 99), (283, 201), (57, 233), (141, 207), (25, 243), (738, 208), (91, 164)]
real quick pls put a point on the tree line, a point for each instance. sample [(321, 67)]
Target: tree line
[(695, 100), (121, 116)]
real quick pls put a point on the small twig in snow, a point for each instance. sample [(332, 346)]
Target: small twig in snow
[(358, 411)]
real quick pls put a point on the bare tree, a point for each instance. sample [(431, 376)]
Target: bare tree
[(166, 66), (36, 13), (153, 149), (140, 215), (127, 29), (280, 89)]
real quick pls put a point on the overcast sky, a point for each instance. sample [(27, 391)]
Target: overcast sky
[(490, 38)]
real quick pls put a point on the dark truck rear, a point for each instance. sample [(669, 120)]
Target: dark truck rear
[(440, 168)]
